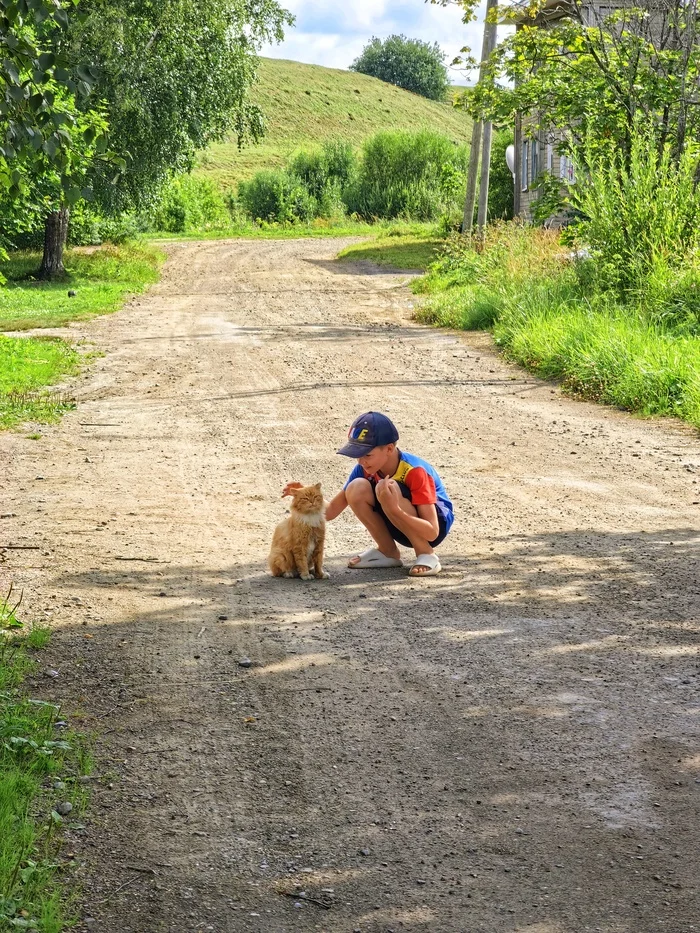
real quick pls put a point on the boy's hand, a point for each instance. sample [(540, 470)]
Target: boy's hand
[(290, 487)]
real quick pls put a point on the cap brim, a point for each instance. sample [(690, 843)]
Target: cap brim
[(355, 450)]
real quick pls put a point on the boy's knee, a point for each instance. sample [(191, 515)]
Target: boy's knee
[(359, 490)]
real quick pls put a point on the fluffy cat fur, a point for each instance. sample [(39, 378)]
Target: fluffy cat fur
[(297, 544)]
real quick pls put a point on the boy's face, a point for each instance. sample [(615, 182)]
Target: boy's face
[(377, 459)]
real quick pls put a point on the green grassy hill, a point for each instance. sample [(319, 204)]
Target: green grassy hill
[(306, 104)]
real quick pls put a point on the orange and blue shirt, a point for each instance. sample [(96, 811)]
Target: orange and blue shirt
[(422, 481)]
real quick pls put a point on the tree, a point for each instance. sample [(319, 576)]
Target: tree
[(43, 133), (596, 75), (408, 63), (174, 76)]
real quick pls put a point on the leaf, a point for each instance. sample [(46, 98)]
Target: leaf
[(61, 18), (73, 195), (47, 60)]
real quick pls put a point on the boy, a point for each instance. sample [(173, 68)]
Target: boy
[(398, 497)]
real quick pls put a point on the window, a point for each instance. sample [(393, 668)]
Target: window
[(550, 157), (534, 159), (566, 170), (523, 166)]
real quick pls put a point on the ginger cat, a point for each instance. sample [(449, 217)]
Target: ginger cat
[(297, 544)]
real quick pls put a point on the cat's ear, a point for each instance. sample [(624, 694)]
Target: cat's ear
[(318, 487)]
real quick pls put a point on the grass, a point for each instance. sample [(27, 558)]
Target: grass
[(101, 278), (308, 102), (39, 768), (402, 251), (320, 227), (545, 315), (29, 365)]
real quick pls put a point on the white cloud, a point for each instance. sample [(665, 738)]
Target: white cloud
[(334, 34)]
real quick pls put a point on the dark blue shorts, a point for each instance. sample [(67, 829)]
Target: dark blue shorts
[(399, 536)]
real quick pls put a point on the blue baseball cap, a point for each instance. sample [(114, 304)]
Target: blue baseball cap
[(367, 432)]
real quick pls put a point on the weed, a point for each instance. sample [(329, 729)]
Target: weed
[(38, 769)]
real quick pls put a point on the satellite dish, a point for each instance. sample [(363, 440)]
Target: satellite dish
[(510, 159)]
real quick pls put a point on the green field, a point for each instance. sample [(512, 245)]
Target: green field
[(306, 104)]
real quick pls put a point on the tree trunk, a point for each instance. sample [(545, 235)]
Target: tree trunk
[(55, 235)]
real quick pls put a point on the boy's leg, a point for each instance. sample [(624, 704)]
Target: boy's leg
[(361, 499), (396, 507)]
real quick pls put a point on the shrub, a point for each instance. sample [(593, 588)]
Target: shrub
[(641, 213), (413, 175), (277, 197), (188, 204), (408, 63), (500, 179)]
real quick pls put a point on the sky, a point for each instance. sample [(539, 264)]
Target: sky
[(333, 33)]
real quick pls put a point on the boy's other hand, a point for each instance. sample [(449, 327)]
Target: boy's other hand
[(290, 487)]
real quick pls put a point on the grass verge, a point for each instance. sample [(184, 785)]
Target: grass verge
[(40, 767), (398, 251), (101, 279), (545, 315), (319, 228)]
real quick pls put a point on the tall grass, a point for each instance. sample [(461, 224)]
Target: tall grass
[(642, 222), (412, 175), (544, 314)]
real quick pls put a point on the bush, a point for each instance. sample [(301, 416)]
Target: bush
[(277, 197), (641, 214), (408, 63), (188, 204), (325, 174), (501, 188), (417, 176)]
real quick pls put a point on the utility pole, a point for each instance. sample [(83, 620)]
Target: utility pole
[(477, 146)]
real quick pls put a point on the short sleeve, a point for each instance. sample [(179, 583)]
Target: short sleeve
[(422, 487), (357, 473)]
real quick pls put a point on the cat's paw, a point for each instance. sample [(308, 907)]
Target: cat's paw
[(289, 574), (306, 576), (323, 575)]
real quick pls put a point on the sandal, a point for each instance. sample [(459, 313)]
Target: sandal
[(426, 560), (373, 559)]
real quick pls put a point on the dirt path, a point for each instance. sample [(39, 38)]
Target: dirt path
[(511, 746)]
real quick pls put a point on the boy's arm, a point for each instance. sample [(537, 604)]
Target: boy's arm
[(337, 504)]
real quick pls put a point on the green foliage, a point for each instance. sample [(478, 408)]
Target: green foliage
[(39, 768), (412, 175), (278, 197), (408, 175), (190, 204), (174, 77), (642, 214), (549, 315), (593, 72), (408, 63), (41, 92), (500, 179)]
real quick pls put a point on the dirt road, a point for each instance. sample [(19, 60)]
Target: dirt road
[(510, 746)]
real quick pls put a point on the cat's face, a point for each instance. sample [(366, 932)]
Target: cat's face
[(308, 499)]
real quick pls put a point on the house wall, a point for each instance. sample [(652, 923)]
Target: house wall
[(538, 154)]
